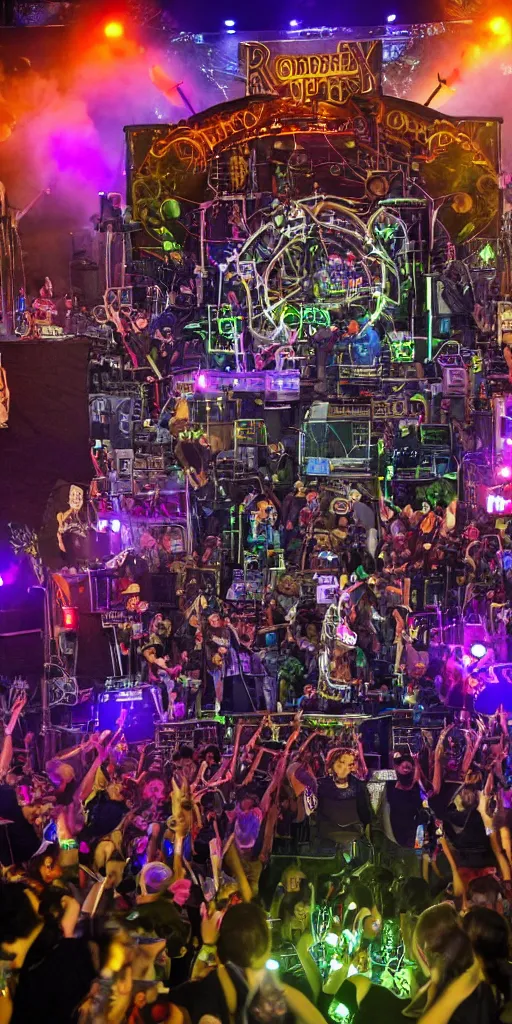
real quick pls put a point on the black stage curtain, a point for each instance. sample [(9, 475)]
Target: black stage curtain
[(47, 438)]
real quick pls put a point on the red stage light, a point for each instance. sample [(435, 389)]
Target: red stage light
[(70, 618), (114, 30)]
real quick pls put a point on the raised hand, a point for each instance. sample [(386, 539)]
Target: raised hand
[(16, 710), (122, 718), (210, 923), (442, 737)]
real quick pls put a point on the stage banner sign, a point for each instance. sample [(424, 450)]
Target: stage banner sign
[(295, 70)]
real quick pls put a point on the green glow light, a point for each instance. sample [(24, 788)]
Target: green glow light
[(338, 1012), (487, 254)]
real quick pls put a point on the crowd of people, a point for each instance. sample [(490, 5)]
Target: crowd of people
[(272, 878)]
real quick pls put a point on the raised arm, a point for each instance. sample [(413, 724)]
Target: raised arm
[(7, 749), (87, 783), (487, 819), (458, 885), (438, 767), (363, 767), (256, 735), (473, 742)]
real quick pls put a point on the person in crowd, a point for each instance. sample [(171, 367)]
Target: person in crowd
[(49, 975), (455, 989), (242, 982), (343, 813), (403, 809)]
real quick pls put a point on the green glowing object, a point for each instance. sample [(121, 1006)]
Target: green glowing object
[(171, 246), (402, 349), (338, 1012), (487, 254), (170, 209)]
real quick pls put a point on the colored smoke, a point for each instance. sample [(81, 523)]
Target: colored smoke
[(477, 68), (61, 129)]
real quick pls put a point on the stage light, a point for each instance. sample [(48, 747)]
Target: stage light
[(70, 618), (1, 581), (294, 23), (500, 27), (505, 472), (229, 23), (115, 525), (272, 965), (478, 650), (201, 381), (102, 525), (114, 30), (390, 18)]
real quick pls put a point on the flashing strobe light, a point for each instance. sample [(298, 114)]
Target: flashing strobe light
[(201, 381), (1, 581), (391, 18), (478, 650), (70, 618), (500, 27), (114, 30), (115, 525), (505, 472), (294, 23), (272, 965)]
